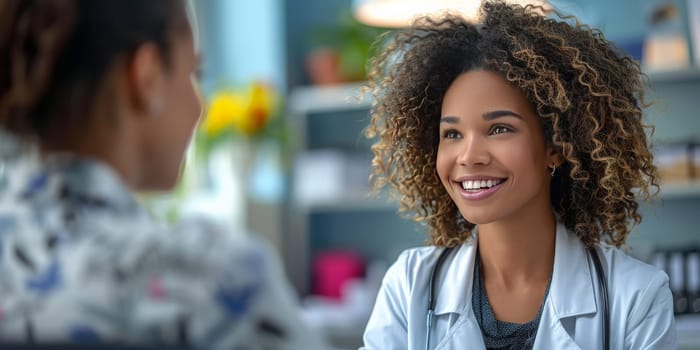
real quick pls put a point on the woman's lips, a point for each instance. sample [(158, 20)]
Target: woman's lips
[(479, 189)]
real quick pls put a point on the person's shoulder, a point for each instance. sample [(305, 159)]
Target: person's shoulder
[(419, 256), (205, 232), (621, 263), (417, 253), (415, 258), (408, 264), (418, 261), (632, 278), (203, 251), (641, 294), (222, 246)]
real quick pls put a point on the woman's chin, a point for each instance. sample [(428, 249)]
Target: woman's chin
[(479, 218), (164, 183)]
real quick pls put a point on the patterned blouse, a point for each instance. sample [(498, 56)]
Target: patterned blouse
[(82, 261)]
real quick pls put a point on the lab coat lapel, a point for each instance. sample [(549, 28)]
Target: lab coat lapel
[(465, 335), (455, 296), (551, 333), (571, 292), (455, 290)]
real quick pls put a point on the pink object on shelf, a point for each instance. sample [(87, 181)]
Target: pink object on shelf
[(332, 269)]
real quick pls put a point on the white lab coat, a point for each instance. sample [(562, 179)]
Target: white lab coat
[(641, 305)]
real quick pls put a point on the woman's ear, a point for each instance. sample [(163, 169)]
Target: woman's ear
[(554, 157), (146, 80)]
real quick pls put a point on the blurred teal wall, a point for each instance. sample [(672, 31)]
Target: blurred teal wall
[(618, 19), (241, 41)]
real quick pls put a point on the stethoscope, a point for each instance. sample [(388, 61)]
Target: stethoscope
[(603, 286)]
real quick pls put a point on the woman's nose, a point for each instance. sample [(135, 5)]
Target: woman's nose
[(474, 152)]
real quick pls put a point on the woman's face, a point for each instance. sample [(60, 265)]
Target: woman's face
[(492, 157), (179, 110)]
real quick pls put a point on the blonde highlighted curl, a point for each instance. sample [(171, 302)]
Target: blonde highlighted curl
[(588, 95)]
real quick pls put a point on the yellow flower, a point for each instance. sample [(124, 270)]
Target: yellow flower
[(262, 104), (225, 109), (247, 112)]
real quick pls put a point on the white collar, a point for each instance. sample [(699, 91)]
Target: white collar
[(571, 292)]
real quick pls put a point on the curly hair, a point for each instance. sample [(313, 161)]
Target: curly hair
[(589, 98)]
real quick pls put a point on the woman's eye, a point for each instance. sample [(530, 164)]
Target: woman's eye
[(499, 129), (451, 134)]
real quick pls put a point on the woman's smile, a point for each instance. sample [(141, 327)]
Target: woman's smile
[(479, 187), (492, 156)]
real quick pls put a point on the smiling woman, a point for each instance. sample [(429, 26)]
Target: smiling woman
[(492, 158), (520, 144)]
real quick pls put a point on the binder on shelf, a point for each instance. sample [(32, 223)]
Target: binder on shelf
[(683, 269)]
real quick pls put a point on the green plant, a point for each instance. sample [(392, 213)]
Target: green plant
[(351, 40)]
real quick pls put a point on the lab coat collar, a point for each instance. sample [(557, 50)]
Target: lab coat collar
[(455, 291), (571, 292)]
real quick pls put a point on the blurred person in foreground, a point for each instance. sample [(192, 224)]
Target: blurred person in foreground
[(97, 101)]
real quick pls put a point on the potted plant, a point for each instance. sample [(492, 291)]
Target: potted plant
[(340, 53)]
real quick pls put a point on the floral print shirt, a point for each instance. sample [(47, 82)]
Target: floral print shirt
[(82, 261)]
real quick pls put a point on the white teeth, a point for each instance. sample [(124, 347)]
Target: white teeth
[(477, 184)]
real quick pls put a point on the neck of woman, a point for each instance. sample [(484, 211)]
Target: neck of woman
[(518, 252)]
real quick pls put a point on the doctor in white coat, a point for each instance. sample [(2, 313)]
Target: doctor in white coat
[(641, 306), (520, 144)]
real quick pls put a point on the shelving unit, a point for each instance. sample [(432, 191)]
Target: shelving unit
[(674, 76), (687, 331), (331, 119), (351, 204), (673, 221), (310, 99), (674, 190)]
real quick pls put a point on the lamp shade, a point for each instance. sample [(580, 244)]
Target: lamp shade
[(400, 13)]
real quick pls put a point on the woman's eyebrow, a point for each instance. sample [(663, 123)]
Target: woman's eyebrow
[(449, 120), (499, 114), (487, 116)]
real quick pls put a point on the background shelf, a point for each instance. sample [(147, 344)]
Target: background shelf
[(314, 99), (356, 203), (680, 190), (687, 327), (674, 76)]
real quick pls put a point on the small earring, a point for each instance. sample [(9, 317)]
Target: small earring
[(554, 168)]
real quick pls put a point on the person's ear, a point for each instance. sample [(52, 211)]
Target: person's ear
[(554, 157), (146, 80)]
